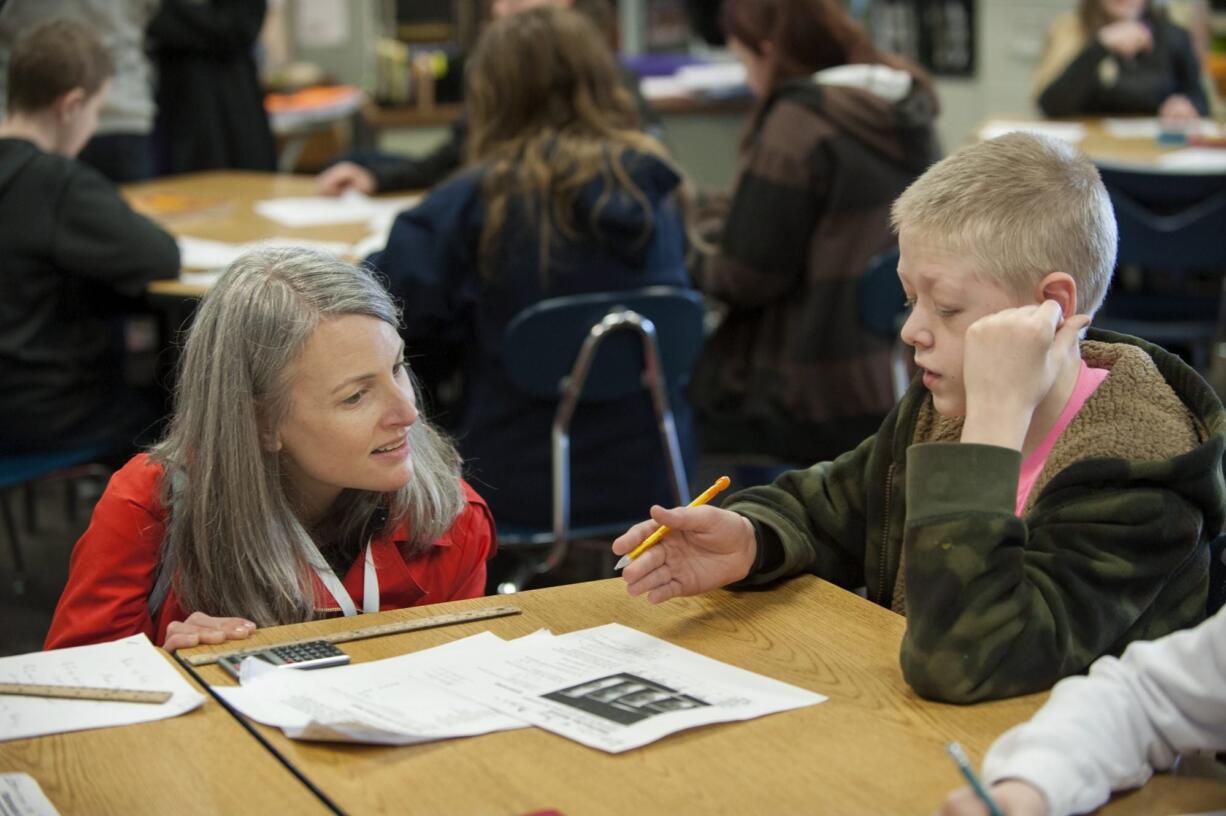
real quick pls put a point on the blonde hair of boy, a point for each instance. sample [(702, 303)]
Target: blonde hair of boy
[(1019, 207), (234, 543)]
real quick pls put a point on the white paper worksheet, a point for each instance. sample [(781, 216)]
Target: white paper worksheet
[(348, 208), (130, 663), (614, 688), (383, 702)]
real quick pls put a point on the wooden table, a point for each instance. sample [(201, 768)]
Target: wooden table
[(200, 762), (1103, 148), (873, 747), (220, 206)]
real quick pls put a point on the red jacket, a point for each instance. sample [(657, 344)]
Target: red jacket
[(113, 566)]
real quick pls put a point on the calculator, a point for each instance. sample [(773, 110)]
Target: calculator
[(315, 654)]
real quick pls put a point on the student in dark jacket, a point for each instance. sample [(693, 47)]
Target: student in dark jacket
[(374, 172), (1120, 57), (73, 255), (840, 130), (559, 165), (210, 104)]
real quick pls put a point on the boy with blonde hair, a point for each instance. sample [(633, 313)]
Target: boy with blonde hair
[(1036, 499)]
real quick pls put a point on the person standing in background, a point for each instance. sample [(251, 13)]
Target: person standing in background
[(210, 103), (121, 148)]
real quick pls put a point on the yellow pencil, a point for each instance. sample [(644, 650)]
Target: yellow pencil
[(652, 540)]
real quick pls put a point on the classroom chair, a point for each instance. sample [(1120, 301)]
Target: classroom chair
[(882, 311), (594, 347), (1171, 227), (23, 471)]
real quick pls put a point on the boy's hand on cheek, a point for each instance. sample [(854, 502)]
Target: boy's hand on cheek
[(1011, 361)]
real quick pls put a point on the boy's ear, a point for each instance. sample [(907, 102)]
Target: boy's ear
[(1060, 287)]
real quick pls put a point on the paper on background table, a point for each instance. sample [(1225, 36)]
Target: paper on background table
[(1194, 159), (1072, 132), (130, 663), (1148, 127), (614, 688), (21, 795), (384, 702), (348, 208), (203, 253)]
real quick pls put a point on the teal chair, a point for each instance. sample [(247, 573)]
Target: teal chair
[(23, 471)]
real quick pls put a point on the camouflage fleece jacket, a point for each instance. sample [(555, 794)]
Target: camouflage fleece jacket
[(1111, 548)]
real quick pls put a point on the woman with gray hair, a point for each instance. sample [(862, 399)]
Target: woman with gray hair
[(297, 478)]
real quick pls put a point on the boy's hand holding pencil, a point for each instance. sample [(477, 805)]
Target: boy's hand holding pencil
[(705, 548)]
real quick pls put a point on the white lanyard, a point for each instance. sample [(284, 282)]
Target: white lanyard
[(370, 585)]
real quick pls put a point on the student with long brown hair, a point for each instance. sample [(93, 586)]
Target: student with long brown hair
[(839, 131), (564, 195), (1120, 57), (370, 172)]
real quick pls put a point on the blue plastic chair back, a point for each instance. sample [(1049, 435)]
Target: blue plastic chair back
[(1172, 222), (543, 341), (19, 469), (881, 297)]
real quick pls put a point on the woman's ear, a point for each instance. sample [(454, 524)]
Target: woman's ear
[(270, 438), (1060, 287)]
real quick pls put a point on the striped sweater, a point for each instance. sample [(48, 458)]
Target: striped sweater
[(790, 372)]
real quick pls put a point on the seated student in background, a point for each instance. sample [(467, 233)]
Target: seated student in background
[(564, 196), (296, 478), (1111, 730), (839, 131), (120, 147), (382, 173), (1036, 500), (74, 256), (1120, 57)]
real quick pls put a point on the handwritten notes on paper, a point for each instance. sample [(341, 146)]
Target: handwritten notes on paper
[(610, 687), (131, 663)]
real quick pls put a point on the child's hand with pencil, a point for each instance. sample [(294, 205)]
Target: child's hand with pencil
[(704, 549), (1013, 797)]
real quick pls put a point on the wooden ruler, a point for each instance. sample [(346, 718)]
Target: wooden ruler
[(112, 695), (377, 630)]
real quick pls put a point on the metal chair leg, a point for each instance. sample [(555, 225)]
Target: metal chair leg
[(10, 527)]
